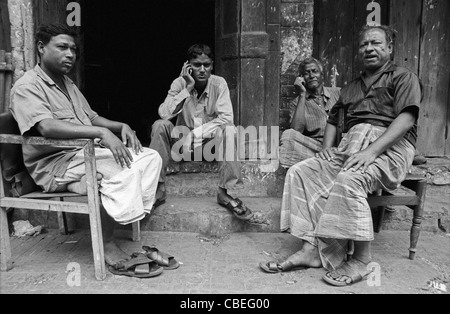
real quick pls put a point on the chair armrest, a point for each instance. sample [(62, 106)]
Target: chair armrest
[(34, 140)]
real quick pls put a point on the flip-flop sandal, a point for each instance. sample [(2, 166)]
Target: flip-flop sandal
[(237, 207), (139, 266), (275, 267), (165, 260), (346, 270)]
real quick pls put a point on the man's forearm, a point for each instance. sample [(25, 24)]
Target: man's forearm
[(61, 129), (297, 123), (329, 139), (113, 126)]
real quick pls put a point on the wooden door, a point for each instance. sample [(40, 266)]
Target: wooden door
[(336, 28)]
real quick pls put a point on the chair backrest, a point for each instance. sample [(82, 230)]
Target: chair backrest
[(16, 179)]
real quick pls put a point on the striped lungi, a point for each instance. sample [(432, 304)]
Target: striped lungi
[(296, 147), (327, 207)]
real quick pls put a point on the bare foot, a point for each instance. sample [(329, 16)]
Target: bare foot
[(80, 187), (114, 254), (308, 256)]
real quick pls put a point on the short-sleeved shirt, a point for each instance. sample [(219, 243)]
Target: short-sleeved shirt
[(314, 119), (34, 98), (394, 90), (204, 114)]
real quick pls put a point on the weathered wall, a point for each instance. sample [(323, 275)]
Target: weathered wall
[(297, 23), (22, 35)]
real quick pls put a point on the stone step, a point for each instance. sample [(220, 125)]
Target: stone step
[(197, 179)]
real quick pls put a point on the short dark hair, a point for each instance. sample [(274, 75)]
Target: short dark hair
[(45, 33), (198, 49), (391, 34), (305, 62)]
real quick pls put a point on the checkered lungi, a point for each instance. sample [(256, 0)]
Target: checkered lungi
[(296, 147), (327, 207)]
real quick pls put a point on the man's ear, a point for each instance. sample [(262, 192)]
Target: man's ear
[(40, 47)]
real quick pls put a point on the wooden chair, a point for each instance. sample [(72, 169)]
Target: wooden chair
[(11, 164), (381, 199)]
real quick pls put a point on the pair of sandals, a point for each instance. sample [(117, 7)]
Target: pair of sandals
[(150, 263)]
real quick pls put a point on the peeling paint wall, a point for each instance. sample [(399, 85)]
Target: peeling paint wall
[(297, 25), (22, 35)]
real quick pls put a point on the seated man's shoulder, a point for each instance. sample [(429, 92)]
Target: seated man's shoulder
[(29, 78), (218, 80)]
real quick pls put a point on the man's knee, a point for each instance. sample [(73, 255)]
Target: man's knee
[(162, 126)]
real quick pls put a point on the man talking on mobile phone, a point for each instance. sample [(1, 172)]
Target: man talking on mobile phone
[(308, 114), (201, 104)]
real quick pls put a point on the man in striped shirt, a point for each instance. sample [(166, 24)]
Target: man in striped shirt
[(309, 114)]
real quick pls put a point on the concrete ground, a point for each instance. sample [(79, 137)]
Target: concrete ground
[(225, 265)]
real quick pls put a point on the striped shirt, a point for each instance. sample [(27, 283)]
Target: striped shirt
[(314, 120)]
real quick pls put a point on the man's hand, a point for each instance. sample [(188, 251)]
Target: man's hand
[(130, 139), (300, 85), (327, 154), (120, 152), (186, 75), (360, 161)]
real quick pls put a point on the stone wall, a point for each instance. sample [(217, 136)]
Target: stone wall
[(297, 25), (22, 35)]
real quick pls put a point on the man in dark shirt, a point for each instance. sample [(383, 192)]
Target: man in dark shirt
[(324, 202)]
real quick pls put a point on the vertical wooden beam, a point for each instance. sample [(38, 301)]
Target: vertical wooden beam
[(5, 27), (94, 211), (435, 76), (407, 48), (5, 244)]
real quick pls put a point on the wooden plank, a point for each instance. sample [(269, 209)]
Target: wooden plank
[(376, 201), (17, 139), (407, 48), (5, 26), (70, 207), (435, 76)]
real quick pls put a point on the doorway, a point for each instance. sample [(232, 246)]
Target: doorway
[(135, 49)]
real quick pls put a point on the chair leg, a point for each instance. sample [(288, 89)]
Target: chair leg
[(417, 220), (5, 244), (381, 213), (136, 228), (62, 223)]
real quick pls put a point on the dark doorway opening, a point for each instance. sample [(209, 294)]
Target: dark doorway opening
[(135, 49)]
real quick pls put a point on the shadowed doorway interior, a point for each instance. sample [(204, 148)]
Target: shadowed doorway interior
[(135, 49)]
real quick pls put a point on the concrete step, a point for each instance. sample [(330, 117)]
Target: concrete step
[(203, 215)]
